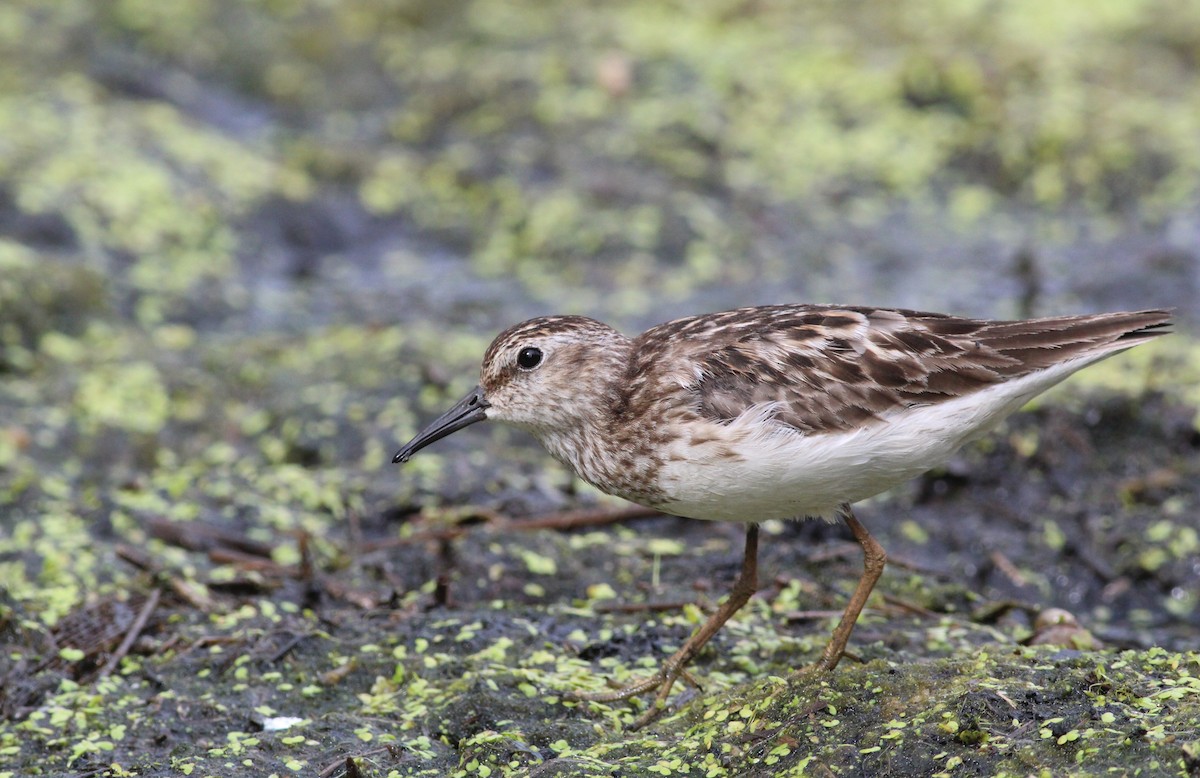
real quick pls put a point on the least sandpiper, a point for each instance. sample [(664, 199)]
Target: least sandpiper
[(777, 412)]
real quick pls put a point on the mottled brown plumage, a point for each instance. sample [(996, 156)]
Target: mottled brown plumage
[(835, 368), (773, 412)]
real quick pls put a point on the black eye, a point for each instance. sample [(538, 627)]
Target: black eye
[(529, 358)]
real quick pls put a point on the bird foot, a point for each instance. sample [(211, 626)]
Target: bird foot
[(674, 668), (828, 661), (816, 668), (662, 681)]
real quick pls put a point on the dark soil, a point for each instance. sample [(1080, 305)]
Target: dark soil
[(246, 249)]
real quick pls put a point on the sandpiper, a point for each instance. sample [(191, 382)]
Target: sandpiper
[(775, 412)]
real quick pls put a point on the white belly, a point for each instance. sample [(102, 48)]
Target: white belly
[(758, 470)]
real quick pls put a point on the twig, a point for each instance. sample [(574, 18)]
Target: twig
[(1011, 572), (593, 517), (561, 521), (911, 607), (198, 536), (643, 607), (811, 615), (409, 540), (288, 647), (135, 629)]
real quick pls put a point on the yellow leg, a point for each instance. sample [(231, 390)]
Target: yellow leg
[(674, 667), (874, 559)]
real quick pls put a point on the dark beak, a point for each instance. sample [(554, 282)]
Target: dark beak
[(465, 412)]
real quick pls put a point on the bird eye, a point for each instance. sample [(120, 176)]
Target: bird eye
[(529, 358)]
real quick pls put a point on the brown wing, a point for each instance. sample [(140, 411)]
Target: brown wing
[(830, 368)]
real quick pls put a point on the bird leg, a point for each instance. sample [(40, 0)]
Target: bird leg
[(671, 669), (874, 558)]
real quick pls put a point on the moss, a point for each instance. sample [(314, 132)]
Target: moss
[(227, 232), (43, 301), (492, 134)]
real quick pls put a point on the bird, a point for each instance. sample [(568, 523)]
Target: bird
[(772, 412)]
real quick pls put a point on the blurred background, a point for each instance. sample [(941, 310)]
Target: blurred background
[(188, 188), (288, 163), (248, 246)]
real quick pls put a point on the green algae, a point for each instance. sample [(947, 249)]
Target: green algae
[(139, 229), (488, 676), (496, 126)]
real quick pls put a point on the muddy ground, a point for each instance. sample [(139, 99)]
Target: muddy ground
[(246, 250), (222, 617)]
